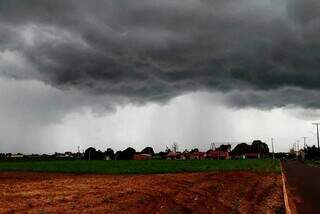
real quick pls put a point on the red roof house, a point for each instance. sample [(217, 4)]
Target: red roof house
[(142, 157), (197, 155), (218, 155), (252, 155)]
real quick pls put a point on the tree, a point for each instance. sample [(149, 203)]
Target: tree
[(224, 148), (90, 153), (241, 149), (175, 147), (168, 150), (258, 146), (194, 150), (312, 152), (118, 155), (99, 155), (148, 150), (162, 155), (126, 154), (110, 153)]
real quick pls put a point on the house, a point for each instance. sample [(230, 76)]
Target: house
[(185, 155), (301, 154), (142, 156), (62, 155), (224, 155), (197, 156), (171, 156), (252, 155), (16, 156), (175, 156), (68, 154), (239, 156)]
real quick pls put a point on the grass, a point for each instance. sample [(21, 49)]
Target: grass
[(313, 162), (141, 167)]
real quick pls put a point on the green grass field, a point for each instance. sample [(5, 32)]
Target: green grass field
[(141, 167)]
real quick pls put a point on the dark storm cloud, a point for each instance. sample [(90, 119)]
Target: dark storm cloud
[(148, 48), (274, 98)]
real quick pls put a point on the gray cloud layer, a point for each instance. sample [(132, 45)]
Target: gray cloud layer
[(267, 52)]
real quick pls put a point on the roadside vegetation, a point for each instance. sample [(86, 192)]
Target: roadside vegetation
[(313, 162), (141, 167)]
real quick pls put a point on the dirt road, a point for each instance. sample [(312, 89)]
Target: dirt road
[(230, 192), (303, 185)]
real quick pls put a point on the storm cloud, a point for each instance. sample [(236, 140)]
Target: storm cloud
[(263, 53)]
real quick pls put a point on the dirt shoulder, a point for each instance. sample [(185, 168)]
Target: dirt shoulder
[(228, 192), (303, 186)]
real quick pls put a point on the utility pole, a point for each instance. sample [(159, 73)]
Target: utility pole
[(272, 148), (317, 124), (213, 146), (304, 142)]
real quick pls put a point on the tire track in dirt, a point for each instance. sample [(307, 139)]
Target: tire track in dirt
[(227, 192)]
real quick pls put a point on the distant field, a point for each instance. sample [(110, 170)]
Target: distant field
[(141, 167)]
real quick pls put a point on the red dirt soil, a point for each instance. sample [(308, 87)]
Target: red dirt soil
[(228, 192)]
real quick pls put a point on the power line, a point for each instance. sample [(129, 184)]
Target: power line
[(304, 142)]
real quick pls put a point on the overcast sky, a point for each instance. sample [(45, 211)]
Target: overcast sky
[(150, 72)]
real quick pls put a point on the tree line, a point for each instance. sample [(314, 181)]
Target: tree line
[(91, 153)]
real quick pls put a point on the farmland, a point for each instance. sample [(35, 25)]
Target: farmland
[(153, 186), (207, 192), (141, 167)]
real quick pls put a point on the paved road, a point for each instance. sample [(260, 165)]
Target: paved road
[(304, 186)]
